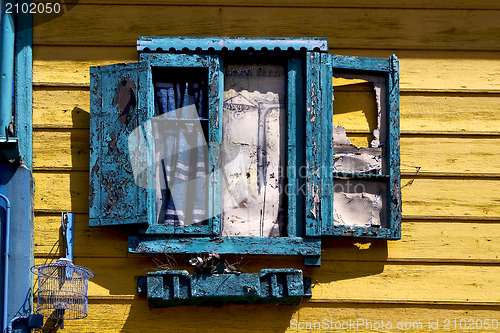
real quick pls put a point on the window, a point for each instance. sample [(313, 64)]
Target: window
[(365, 176), (228, 145)]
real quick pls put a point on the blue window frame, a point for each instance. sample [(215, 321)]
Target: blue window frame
[(131, 177), (373, 169)]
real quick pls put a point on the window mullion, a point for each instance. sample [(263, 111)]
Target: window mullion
[(313, 145), (216, 88), (294, 154)]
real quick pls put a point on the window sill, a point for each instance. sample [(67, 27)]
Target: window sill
[(226, 245)]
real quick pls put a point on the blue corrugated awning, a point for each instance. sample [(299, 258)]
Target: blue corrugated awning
[(172, 44)]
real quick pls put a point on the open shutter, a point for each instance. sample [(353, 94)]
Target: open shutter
[(118, 107), (364, 179)]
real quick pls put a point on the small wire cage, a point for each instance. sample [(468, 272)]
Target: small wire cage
[(62, 289)]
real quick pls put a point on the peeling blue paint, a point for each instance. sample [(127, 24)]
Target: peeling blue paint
[(271, 286), (389, 69), (310, 246)]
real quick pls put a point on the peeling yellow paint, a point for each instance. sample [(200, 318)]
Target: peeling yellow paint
[(341, 81), (364, 246)]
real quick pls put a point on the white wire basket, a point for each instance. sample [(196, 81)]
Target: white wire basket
[(62, 289)]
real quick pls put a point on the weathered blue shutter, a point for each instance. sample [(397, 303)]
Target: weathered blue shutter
[(314, 153), (389, 70), (118, 106), (395, 208), (313, 144)]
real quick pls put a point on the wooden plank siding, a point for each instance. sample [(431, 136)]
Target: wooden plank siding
[(345, 280), (427, 4), (458, 241), (446, 266), (421, 70), (421, 113), (379, 28), (134, 316), (452, 154)]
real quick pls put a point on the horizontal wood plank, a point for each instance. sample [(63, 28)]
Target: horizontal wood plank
[(61, 191), (61, 149), (450, 197), (378, 281), (420, 113), (345, 27), (134, 316), (56, 107), (450, 155), (367, 318), (458, 242), (420, 70), (367, 281), (438, 197), (428, 4), (69, 149), (450, 113), (68, 64)]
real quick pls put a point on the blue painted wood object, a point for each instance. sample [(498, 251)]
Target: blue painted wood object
[(295, 137), (214, 75), (272, 286), (227, 245), (395, 207), (172, 44), (313, 143), (389, 70), (327, 181), (109, 157), (117, 108)]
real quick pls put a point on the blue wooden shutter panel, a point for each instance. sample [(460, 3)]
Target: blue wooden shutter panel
[(122, 103), (374, 66), (118, 106)]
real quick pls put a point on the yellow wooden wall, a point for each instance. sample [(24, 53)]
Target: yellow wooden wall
[(446, 266)]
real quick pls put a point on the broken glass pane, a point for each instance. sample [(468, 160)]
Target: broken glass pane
[(360, 203), (359, 137), (360, 131)]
